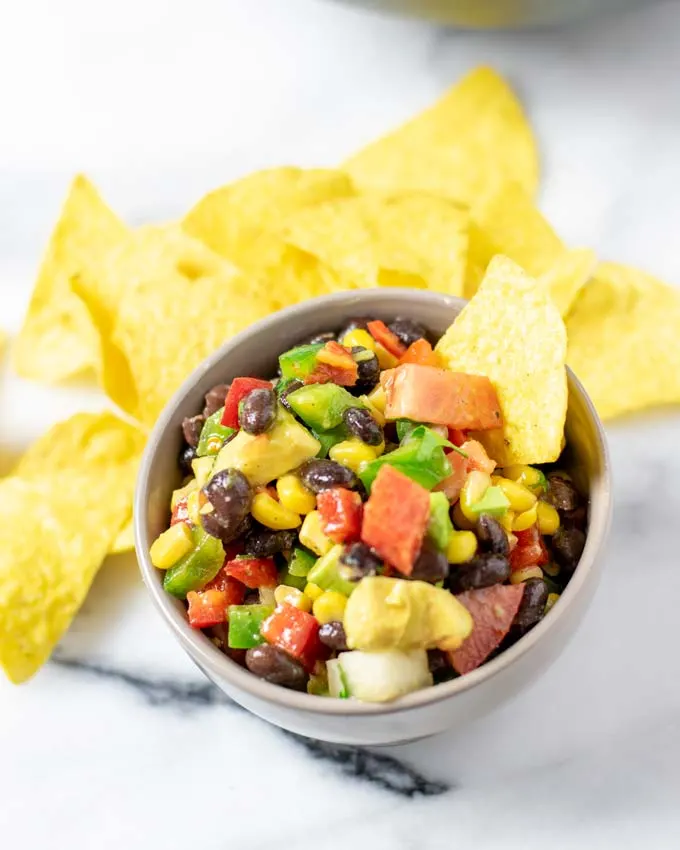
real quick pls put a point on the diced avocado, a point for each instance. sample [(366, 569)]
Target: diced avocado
[(213, 435), (203, 467), (439, 527), (197, 568), (321, 405), (285, 446), (494, 502), (301, 562), (328, 439), (326, 573), (299, 362)]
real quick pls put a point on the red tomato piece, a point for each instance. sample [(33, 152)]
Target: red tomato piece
[(421, 352), (239, 389), (395, 518), (453, 484), (254, 572), (341, 512), (457, 437), (428, 394), (180, 513), (295, 632), (493, 609), (530, 550), (477, 458), (389, 340)]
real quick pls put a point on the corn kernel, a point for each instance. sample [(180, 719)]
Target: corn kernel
[(373, 410), (551, 569), (378, 399), (507, 520), (353, 453), (529, 476), (194, 507), (359, 337), (285, 595), (548, 518), (294, 495), (312, 535), (202, 468), (519, 496), (171, 545), (524, 520), (313, 591), (525, 574), (461, 547), (329, 607), (460, 520), (178, 495), (385, 359), (550, 601), (476, 484), (273, 514)]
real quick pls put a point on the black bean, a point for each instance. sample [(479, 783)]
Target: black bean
[(360, 560), (316, 339), (407, 330), (482, 571), (562, 493), (187, 454), (362, 425), (567, 547), (368, 370), (360, 323), (318, 475), (192, 427), (265, 542), (272, 664), (257, 411), (578, 518), (214, 399), (439, 665), (431, 564), (532, 606), (290, 387), (333, 636), (492, 536), (229, 493)]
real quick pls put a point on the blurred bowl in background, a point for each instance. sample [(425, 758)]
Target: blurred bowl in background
[(498, 14)]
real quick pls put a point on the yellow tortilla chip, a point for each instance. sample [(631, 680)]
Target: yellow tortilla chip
[(465, 146), (235, 220), (125, 539), (414, 239), (568, 275), (624, 340), (58, 338), (512, 332), (63, 507)]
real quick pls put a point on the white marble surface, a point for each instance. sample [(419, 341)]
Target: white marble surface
[(121, 743)]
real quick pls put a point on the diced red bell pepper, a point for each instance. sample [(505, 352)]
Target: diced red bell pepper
[(239, 389), (387, 338), (395, 518), (457, 437), (334, 364), (493, 609), (254, 572), (421, 352), (477, 458), (530, 550), (341, 512), (180, 512), (208, 607), (453, 484), (295, 632)]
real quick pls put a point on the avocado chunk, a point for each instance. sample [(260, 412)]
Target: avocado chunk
[(494, 502), (321, 406), (327, 573), (262, 458), (439, 527)]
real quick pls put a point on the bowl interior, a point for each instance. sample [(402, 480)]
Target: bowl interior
[(255, 352)]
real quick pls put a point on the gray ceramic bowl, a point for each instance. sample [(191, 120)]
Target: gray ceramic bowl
[(422, 713)]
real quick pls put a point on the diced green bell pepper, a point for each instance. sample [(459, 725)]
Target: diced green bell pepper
[(244, 625), (196, 568), (290, 580), (439, 527), (301, 562), (494, 502), (326, 573), (420, 456), (299, 362), (213, 435), (321, 406)]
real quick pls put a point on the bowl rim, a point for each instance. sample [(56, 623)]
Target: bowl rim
[(215, 663)]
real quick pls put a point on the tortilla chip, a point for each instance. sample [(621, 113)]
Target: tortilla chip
[(63, 507), (58, 338), (125, 540), (567, 277), (465, 146), (235, 219), (414, 239), (512, 332), (624, 340)]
